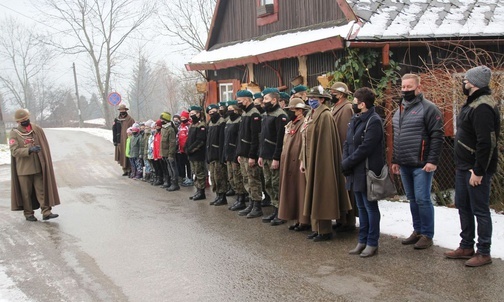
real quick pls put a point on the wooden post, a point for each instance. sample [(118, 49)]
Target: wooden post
[(250, 67), (303, 69), (77, 95)]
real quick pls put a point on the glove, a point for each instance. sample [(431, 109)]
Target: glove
[(35, 149), (115, 144)]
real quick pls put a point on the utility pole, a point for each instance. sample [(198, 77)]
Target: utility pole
[(77, 95)]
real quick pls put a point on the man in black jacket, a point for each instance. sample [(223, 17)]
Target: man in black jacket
[(215, 154), (418, 139), (247, 151), (195, 150), (476, 156)]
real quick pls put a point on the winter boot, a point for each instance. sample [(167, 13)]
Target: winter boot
[(266, 202), (217, 198), (166, 182), (247, 210), (222, 201), (230, 192), (256, 210), (174, 187), (276, 220), (239, 203), (146, 177), (269, 218), (200, 194), (159, 181)]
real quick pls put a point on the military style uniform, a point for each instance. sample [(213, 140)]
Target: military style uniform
[(215, 158), (195, 149), (272, 135), (233, 167)]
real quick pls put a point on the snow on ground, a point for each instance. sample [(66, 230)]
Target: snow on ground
[(395, 221)]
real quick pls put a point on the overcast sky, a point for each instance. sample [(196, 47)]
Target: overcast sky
[(155, 45)]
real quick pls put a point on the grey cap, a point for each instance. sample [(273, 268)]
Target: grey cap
[(479, 76)]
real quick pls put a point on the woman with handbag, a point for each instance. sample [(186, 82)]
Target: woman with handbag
[(363, 148)]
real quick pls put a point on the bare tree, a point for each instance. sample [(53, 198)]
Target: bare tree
[(3, 134), (188, 21), (25, 58), (100, 29)]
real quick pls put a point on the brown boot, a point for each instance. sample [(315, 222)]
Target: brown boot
[(460, 253), (423, 243), (478, 260), (412, 239)]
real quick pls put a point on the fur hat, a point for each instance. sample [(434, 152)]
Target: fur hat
[(479, 76)]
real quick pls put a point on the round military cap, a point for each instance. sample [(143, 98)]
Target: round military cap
[(318, 92), (341, 87), (122, 107), (269, 90), (284, 96), (244, 94), (258, 95), (299, 88), (297, 103), (194, 107), (223, 104), (21, 114), (232, 103), (165, 116), (212, 106)]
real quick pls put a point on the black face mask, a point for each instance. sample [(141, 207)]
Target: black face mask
[(194, 119), (223, 113), (355, 108), (465, 90), (268, 107), (184, 121), (260, 108), (241, 106), (334, 99), (25, 123), (408, 95), (215, 116), (123, 114), (291, 115)]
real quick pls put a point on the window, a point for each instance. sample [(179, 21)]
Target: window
[(225, 92), (267, 12)]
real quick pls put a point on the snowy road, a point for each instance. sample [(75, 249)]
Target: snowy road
[(124, 240)]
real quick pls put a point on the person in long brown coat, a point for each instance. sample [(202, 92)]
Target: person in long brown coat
[(33, 184), (342, 113), (121, 124), (325, 197), (293, 183)]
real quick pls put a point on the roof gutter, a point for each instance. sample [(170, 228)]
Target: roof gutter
[(409, 43)]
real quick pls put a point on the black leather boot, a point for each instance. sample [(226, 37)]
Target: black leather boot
[(166, 183), (276, 220), (174, 187), (217, 198), (269, 218), (256, 210), (200, 194), (266, 202), (239, 203), (222, 201), (247, 210), (230, 192)]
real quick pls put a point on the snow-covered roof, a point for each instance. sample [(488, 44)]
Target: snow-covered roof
[(411, 19), (271, 44)]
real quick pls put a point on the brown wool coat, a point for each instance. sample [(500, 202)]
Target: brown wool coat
[(292, 181), (325, 197), (120, 154), (342, 113), (22, 163)]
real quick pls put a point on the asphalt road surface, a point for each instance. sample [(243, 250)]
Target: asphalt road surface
[(123, 240)]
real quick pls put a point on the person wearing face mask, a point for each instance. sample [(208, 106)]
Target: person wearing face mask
[(364, 144), (418, 139), (134, 153), (271, 144), (292, 184), (258, 102), (168, 151), (121, 123), (195, 149), (157, 157), (342, 113), (476, 159), (33, 184), (247, 151), (223, 107), (235, 176), (184, 167), (215, 155), (325, 196), (300, 91)]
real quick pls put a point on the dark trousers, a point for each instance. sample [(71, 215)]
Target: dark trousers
[(369, 219), (474, 202), (158, 168), (184, 168)]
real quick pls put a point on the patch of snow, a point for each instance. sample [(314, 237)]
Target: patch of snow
[(256, 47), (104, 133), (5, 157), (8, 289)]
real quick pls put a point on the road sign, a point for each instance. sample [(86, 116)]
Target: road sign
[(114, 98)]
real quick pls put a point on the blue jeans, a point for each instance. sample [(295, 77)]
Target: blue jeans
[(470, 202), (417, 184), (369, 219)]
